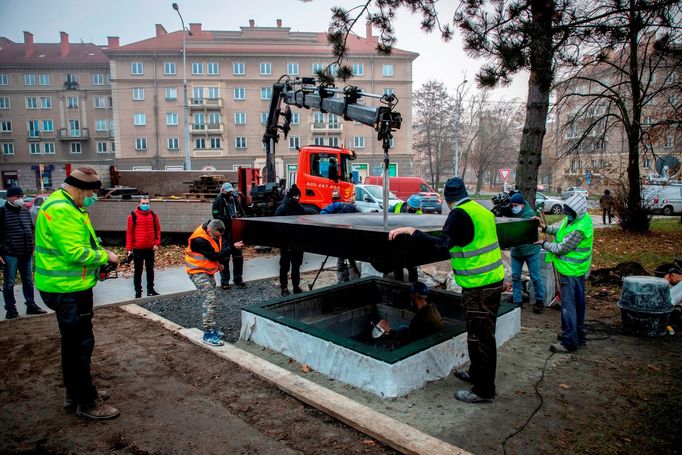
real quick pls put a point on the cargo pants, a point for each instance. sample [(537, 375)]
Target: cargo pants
[(205, 284)]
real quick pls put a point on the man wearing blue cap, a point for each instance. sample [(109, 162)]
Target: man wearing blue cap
[(470, 236)]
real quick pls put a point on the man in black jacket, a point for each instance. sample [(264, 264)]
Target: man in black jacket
[(16, 248), (225, 207), (290, 257)]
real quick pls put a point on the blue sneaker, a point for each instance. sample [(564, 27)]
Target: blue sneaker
[(211, 338), (219, 333)]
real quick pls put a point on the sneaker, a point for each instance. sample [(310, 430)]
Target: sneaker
[(138, 295), (241, 285), (34, 309), (297, 290), (219, 333), (559, 348), (580, 343), (285, 292), (211, 338), (12, 314), (69, 402), (226, 287), (468, 396), (100, 411), (463, 376), (152, 292)]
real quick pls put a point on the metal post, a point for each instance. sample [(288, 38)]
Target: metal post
[(459, 112), (188, 162)]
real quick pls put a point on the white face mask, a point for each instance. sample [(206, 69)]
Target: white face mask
[(18, 202), (517, 209)]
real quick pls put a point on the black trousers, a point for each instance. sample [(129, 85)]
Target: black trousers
[(290, 258), (145, 257), (74, 316), (604, 213), (237, 261), (482, 304)]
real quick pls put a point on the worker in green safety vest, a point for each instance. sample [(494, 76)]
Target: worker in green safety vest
[(413, 205), (571, 253), (68, 258), (470, 235)]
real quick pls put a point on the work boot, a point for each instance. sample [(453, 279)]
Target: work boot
[(241, 285), (69, 402), (138, 294), (34, 309), (297, 290), (468, 396), (12, 313), (99, 411), (152, 292), (559, 348), (539, 307), (285, 292)]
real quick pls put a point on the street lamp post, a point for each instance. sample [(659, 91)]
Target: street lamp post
[(459, 112), (188, 162)]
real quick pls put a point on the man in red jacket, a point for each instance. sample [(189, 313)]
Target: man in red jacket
[(143, 237)]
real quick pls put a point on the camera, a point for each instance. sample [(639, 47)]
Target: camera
[(108, 271), (502, 203)]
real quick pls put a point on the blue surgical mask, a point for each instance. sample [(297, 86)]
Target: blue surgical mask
[(89, 200), (517, 209), (144, 207)]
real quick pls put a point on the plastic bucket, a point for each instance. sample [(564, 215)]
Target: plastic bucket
[(645, 306)]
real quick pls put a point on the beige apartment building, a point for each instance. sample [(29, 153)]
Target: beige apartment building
[(230, 75), (55, 111)]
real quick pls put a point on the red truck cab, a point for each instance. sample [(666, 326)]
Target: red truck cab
[(321, 170)]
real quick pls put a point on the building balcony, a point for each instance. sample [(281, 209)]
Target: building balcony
[(207, 128), (321, 127), (70, 134), (102, 134), (206, 103)]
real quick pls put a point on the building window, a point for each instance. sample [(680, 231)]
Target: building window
[(239, 93), (388, 91), (72, 78), (100, 102), (317, 67), (264, 118), (646, 163), (75, 147), (197, 68), (213, 68), (318, 119), (391, 143), (137, 68), (100, 124), (172, 118), (359, 142), (29, 79), (138, 94), (33, 130), (295, 118), (670, 141), (101, 147), (197, 95), (48, 148), (214, 118), (215, 143), (44, 79), (4, 102), (333, 141), (200, 143), (98, 79), (31, 102), (7, 148), (139, 119), (48, 126), (108, 79), (173, 143), (171, 94), (334, 122), (141, 143), (294, 142), (169, 68), (292, 69), (72, 102), (358, 69), (213, 93), (318, 140), (240, 142), (4, 80), (238, 69), (265, 93), (265, 69), (46, 102), (387, 70), (6, 126), (648, 120), (34, 148), (240, 118)]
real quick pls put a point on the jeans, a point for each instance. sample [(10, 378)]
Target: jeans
[(145, 257), (533, 262), (74, 316), (290, 258), (572, 311), (482, 304), (24, 264), (237, 261)]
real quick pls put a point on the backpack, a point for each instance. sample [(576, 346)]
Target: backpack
[(132, 214)]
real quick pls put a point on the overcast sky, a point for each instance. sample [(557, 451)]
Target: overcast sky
[(133, 20)]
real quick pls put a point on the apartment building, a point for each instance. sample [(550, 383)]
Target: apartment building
[(55, 111), (230, 75)]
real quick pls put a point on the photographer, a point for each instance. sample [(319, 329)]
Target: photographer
[(68, 258)]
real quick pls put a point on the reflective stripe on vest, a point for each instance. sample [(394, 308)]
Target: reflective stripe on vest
[(577, 261), (480, 262), (197, 262)]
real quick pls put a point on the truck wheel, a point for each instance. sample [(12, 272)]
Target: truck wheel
[(668, 210), (557, 209)]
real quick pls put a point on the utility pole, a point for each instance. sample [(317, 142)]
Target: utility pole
[(459, 113), (188, 161)]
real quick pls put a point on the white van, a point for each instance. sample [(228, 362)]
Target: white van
[(665, 199), (369, 198)]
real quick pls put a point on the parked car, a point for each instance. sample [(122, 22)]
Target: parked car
[(431, 202), (573, 190), (119, 192), (664, 199), (369, 198), (402, 187), (551, 205), (35, 205)]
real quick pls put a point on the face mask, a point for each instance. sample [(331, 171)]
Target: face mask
[(18, 202), (517, 209), (144, 207), (89, 200)]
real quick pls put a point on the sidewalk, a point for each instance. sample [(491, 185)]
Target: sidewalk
[(173, 280)]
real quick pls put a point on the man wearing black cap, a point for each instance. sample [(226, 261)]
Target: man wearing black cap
[(470, 236), (290, 257), (68, 258), (16, 252)]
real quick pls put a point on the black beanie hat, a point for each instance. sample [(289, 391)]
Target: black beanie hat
[(85, 178), (293, 191), (454, 190), (14, 191)]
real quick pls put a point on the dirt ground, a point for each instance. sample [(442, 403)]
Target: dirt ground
[(619, 395)]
